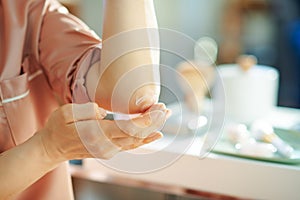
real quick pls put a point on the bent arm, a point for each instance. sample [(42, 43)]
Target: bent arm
[(128, 79)]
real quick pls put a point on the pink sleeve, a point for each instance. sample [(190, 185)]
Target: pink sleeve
[(78, 89), (67, 49)]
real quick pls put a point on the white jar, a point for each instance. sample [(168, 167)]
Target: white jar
[(249, 95)]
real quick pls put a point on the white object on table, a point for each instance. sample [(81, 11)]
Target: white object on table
[(250, 94)]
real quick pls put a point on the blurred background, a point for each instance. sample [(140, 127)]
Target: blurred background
[(268, 29)]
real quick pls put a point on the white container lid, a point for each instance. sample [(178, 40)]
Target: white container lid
[(257, 71)]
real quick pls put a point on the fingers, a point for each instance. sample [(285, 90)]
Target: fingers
[(146, 120), (142, 126), (93, 136), (161, 106), (134, 142), (111, 129), (153, 137), (94, 139), (80, 112), (104, 138), (86, 134)]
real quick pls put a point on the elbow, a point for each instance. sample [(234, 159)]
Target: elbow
[(143, 98)]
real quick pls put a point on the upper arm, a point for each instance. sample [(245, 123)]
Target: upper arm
[(66, 47)]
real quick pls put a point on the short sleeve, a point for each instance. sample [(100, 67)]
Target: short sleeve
[(67, 48), (78, 89)]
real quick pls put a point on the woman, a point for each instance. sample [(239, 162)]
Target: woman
[(49, 56)]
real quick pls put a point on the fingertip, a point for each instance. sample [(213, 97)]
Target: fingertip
[(160, 135), (155, 136), (168, 113), (101, 113)]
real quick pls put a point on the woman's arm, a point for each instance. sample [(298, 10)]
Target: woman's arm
[(127, 77), (23, 165), (74, 131), (59, 140)]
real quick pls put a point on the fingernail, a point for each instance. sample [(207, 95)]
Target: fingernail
[(151, 139), (157, 136)]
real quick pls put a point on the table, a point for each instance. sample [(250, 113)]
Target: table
[(214, 175)]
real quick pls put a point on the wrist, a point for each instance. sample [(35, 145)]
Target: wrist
[(49, 150)]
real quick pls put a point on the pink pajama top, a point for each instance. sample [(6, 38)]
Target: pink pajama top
[(45, 53)]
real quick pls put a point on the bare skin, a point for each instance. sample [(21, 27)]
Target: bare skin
[(66, 136), (79, 131), (131, 24)]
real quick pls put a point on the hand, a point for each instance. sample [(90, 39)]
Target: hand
[(150, 121), (76, 131)]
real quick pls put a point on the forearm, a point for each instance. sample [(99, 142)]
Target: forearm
[(74, 131), (130, 48), (23, 165)]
